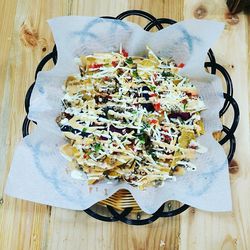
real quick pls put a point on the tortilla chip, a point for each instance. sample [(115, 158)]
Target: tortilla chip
[(68, 150), (201, 130), (177, 156), (178, 170), (186, 137)]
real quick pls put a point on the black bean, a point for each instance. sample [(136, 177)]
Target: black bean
[(148, 106), (183, 115), (145, 95)]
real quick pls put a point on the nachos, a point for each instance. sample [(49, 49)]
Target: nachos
[(132, 119)]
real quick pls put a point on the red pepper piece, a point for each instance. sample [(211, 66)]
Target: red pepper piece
[(153, 121), (114, 63), (181, 65), (106, 78), (95, 65), (157, 106), (152, 95), (167, 138), (124, 53)]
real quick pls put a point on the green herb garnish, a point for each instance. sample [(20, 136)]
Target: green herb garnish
[(135, 74), (152, 153), (144, 139), (184, 106), (152, 87), (97, 147), (167, 74), (145, 125), (129, 60)]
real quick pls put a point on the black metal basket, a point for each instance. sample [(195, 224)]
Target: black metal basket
[(111, 214)]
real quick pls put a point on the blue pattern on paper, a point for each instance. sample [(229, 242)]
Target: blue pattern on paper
[(86, 31), (41, 89), (188, 38), (53, 177)]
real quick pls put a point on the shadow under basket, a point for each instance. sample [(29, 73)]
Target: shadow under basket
[(121, 206)]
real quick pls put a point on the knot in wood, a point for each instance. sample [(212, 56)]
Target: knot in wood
[(28, 35), (232, 19), (233, 167), (200, 12)]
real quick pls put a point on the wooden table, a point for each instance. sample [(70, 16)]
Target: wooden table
[(25, 38)]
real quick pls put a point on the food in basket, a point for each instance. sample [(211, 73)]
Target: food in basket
[(131, 119)]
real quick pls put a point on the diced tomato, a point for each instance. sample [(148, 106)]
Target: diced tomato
[(191, 94), (124, 53), (181, 65), (184, 101), (106, 78), (85, 156), (152, 95), (167, 137), (153, 121), (114, 63), (157, 106), (95, 65)]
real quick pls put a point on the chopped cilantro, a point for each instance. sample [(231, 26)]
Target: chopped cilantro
[(84, 130), (152, 87), (152, 153), (97, 147), (129, 60), (167, 74), (145, 125), (184, 106), (135, 74), (142, 139)]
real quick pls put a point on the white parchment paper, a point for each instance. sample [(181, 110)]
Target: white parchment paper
[(38, 172)]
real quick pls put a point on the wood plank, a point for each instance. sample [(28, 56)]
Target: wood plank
[(6, 39), (25, 225), (25, 222), (202, 230)]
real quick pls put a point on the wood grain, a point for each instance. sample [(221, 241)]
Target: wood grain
[(25, 38), (226, 230), (25, 225)]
